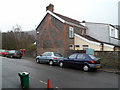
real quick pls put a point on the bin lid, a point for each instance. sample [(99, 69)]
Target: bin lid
[(23, 73), (26, 73)]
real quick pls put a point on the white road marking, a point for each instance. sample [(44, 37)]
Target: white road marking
[(46, 84), (43, 82)]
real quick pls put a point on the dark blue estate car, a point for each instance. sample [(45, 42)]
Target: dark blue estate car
[(83, 61)]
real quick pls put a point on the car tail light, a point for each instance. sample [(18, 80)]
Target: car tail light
[(92, 61), (54, 58)]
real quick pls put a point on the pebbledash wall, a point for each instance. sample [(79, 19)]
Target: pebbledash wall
[(96, 47)]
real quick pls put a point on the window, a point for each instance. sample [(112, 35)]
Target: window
[(57, 54), (12, 51), (44, 54), (49, 54), (80, 56), (85, 47), (77, 47), (71, 32), (92, 57), (72, 56), (112, 33), (116, 33), (71, 47), (18, 52)]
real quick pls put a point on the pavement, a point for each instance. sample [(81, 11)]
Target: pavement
[(116, 71), (109, 70)]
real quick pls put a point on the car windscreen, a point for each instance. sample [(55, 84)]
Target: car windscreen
[(58, 55), (93, 57), (12, 51)]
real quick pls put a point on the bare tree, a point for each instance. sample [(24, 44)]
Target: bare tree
[(17, 39)]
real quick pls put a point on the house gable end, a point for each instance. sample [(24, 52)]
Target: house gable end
[(42, 21)]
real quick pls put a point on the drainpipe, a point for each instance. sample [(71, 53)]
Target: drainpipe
[(102, 46)]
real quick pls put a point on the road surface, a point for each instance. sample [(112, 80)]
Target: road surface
[(59, 77)]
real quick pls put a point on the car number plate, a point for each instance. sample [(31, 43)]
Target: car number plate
[(97, 66)]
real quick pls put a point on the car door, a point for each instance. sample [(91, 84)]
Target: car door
[(70, 60), (43, 57), (49, 56), (79, 61)]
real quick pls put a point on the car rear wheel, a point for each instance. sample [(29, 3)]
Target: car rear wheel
[(86, 68), (50, 62), (61, 64)]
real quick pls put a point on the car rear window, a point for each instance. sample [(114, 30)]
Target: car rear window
[(12, 51), (6, 51), (57, 54), (92, 57), (2, 50)]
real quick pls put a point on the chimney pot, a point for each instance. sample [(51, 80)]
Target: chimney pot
[(50, 8)]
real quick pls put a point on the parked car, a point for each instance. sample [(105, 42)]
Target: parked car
[(82, 61), (4, 53), (14, 53), (1, 51), (49, 57)]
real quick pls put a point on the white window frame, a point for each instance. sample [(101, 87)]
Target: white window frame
[(71, 32), (112, 33), (84, 48), (116, 33), (71, 48)]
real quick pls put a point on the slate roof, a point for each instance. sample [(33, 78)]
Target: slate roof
[(95, 40), (69, 19), (76, 22)]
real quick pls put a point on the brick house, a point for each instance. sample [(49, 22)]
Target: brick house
[(61, 34), (55, 32)]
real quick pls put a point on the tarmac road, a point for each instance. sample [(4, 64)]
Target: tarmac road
[(59, 77)]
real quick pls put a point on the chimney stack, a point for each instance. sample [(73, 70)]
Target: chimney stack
[(50, 8)]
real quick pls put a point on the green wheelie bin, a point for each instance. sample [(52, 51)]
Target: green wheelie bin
[(24, 78)]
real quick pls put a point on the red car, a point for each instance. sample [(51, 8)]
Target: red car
[(1, 51), (4, 52)]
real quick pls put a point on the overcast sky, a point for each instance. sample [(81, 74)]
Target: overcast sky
[(29, 13)]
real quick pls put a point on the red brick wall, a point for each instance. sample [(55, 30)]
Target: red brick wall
[(54, 36)]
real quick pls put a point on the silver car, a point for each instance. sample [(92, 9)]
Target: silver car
[(49, 57)]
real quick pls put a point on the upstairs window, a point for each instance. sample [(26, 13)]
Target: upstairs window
[(116, 33), (112, 33), (71, 32)]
